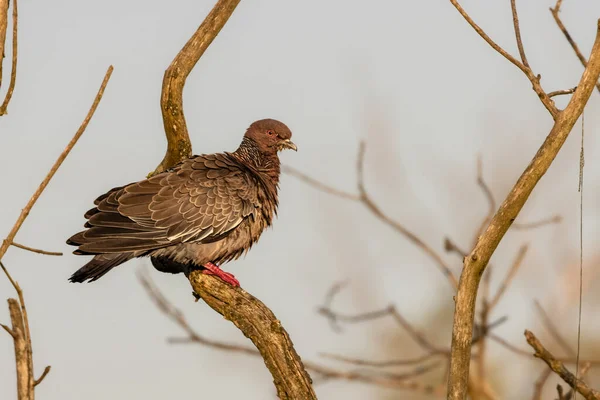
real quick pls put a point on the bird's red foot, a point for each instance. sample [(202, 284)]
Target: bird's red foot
[(212, 269)]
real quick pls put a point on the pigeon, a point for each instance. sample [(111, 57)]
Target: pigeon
[(205, 211)]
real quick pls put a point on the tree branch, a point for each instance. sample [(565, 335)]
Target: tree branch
[(3, 27), (559, 368), (261, 326), (476, 262), (34, 250), (21, 351), (179, 146), (555, 13), (13, 71), (25, 212)]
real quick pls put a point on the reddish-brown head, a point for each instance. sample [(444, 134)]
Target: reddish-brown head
[(270, 136)]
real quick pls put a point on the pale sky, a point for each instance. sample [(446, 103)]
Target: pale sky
[(410, 77)]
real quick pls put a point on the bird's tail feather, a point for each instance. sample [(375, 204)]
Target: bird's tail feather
[(99, 265)]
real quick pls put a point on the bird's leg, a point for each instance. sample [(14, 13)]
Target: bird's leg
[(212, 269)]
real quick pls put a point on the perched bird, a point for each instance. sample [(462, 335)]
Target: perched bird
[(205, 211)]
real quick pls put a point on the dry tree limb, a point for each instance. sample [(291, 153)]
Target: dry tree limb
[(559, 368), (24, 377), (538, 387), (179, 146), (34, 250), (533, 78), (396, 381), (6, 243), (13, 70), (555, 13), (249, 314), (3, 27), (21, 336), (260, 325), (476, 262)]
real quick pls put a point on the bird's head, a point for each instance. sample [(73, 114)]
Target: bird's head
[(271, 136)]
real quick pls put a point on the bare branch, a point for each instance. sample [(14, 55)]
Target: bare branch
[(9, 331), (395, 381), (318, 185), (179, 146), (13, 71), (490, 198), (452, 247), (374, 208), (34, 250), (553, 330), (509, 276), (555, 13), (557, 219), (20, 341), (562, 92), (477, 261), (533, 78), (25, 212), (539, 384), (3, 26), (261, 326), (513, 7), (380, 364), (559, 368), (41, 378)]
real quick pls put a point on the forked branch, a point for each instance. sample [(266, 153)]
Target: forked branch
[(476, 262)]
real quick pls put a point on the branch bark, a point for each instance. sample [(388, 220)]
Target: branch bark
[(24, 376), (3, 27), (559, 368), (179, 146), (260, 325), (13, 71), (476, 262)]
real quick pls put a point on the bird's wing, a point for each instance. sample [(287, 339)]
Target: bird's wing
[(201, 199)]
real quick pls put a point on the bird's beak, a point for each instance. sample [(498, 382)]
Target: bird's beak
[(287, 144)]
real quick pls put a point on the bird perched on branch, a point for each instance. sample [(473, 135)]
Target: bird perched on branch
[(205, 211)]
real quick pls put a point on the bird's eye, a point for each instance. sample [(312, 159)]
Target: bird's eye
[(270, 133)]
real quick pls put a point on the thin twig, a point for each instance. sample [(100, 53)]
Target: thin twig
[(13, 71), (553, 330), (477, 261), (317, 184), (396, 381), (559, 368), (41, 378), (533, 78), (539, 384), (371, 205), (557, 219), (562, 92), (34, 250), (380, 364), (510, 275), (555, 13), (513, 7), (490, 199), (25, 212), (3, 26)]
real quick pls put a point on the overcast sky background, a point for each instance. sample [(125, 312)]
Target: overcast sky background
[(410, 77)]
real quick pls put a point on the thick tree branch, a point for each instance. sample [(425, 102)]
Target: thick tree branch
[(179, 146), (6, 243), (261, 326), (476, 262), (559, 368), (13, 70)]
